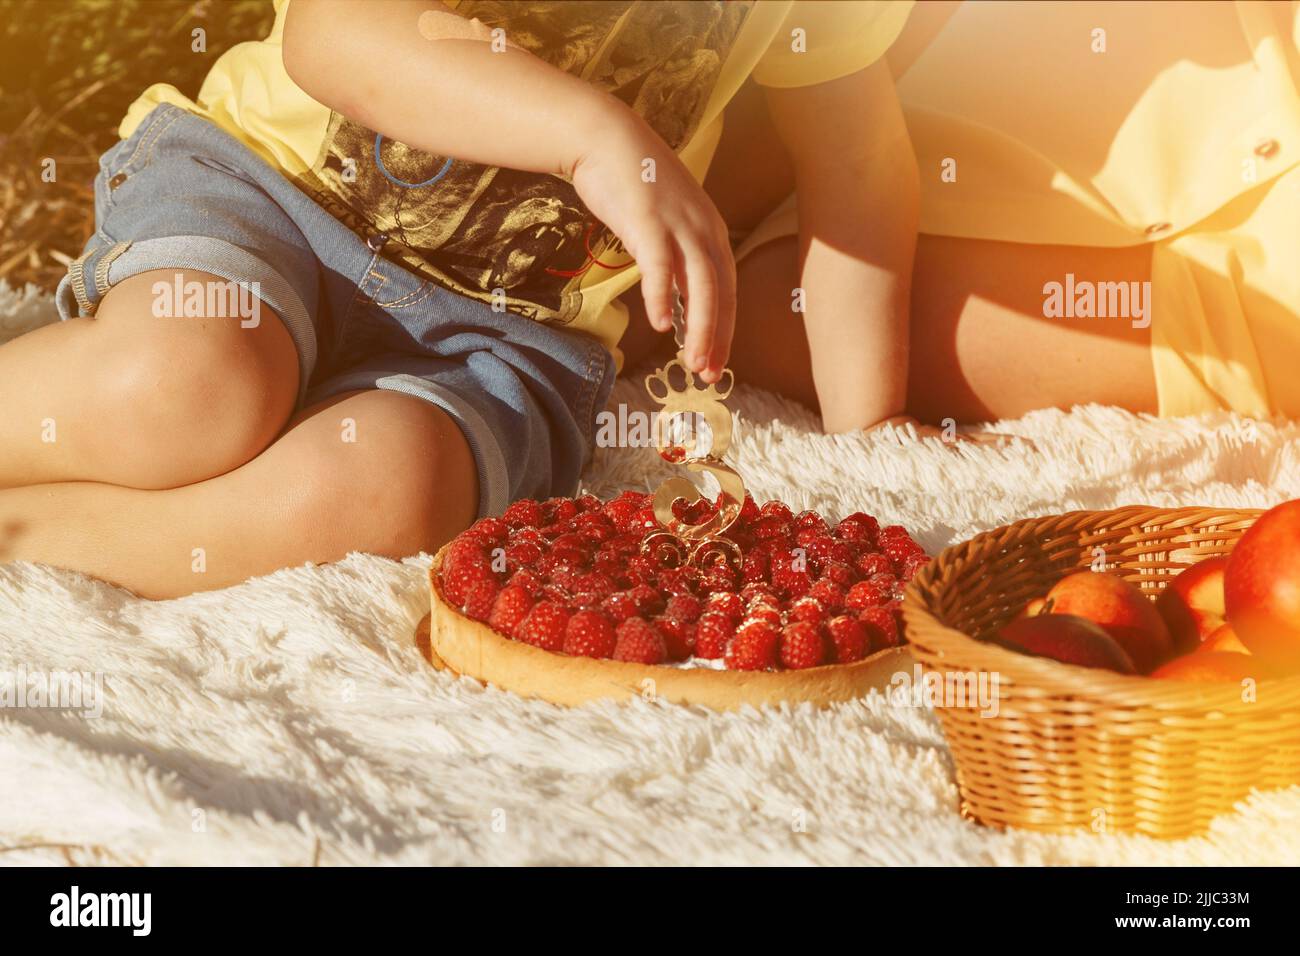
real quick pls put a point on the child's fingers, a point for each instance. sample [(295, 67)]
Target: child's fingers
[(656, 265), (725, 266), (701, 306)]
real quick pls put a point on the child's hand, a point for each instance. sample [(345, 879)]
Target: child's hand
[(635, 184)]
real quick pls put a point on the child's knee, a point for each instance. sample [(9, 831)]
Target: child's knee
[(395, 477), (186, 397)]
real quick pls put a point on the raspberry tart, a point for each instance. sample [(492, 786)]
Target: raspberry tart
[(575, 599)]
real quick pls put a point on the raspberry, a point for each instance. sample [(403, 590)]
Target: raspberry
[(857, 527), (678, 635), (726, 602), (828, 594), (560, 595), (754, 647), (570, 548), (524, 513), (619, 606), (490, 531), (839, 574), (589, 503), (887, 583), (882, 626), (717, 578), (871, 562), (900, 549), (771, 528), (712, 632), (865, 594), (523, 554), (465, 550), (753, 569), (910, 565), (461, 577), (622, 512), (544, 626), (749, 511), (589, 634), (593, 582), (644, 521), (764, 613), (817, 544), (585, 601), (530, 535), (647, 599), (808, 610), (683, 607), (850, 639), (642, 569), (810, 520), (753, 594), (640, 642), (678, 580), (802, 646), (594, 527), (778, 509), (479, 601), (609, 563), (529, 581), (509, 609), (560, 510), (793, 584), (563, 576), (892, 532)]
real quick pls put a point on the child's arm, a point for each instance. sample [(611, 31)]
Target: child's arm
[(438, 85), (858, 196)]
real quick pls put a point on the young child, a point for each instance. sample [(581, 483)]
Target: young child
[(459, 219), (434, 209)]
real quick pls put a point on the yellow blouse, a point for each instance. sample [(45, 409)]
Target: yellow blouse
[(1114, 124)]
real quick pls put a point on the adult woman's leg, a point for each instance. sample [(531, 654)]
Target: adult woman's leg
[(980, 347)]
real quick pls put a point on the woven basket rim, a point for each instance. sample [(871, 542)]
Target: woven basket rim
[(1054, 677)]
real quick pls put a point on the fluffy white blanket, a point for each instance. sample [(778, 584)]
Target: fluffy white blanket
[(290, 720)]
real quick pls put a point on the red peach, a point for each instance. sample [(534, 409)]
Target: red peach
[(1122, 611), (1192, 604), (1262, 587)]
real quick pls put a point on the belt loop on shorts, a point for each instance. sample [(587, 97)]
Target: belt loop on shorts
[(106, 260), (76, 272)]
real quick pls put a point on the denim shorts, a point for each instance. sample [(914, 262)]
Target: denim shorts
[(182, 194)]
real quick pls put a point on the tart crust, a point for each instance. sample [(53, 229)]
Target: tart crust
[(472, 649)]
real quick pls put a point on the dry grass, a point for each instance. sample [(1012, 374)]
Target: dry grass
[(68, 71)]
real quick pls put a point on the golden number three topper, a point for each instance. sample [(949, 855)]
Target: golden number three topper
[(687, 404)]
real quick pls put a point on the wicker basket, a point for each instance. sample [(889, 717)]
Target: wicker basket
[(1073, 748)]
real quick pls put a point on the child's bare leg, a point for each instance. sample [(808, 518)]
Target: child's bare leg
[(132, 399), (406, 483), (980, 346)]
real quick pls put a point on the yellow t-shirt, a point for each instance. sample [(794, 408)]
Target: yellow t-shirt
[(1117, 124), (475, 229)]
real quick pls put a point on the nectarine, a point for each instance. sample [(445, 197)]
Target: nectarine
[(1224, 638), (1212, 666), (1120, 609), (1065, 638), (1262, 587), (1192, 603)]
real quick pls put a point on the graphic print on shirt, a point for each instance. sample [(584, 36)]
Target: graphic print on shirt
[(473, 228)]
